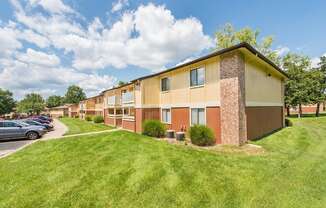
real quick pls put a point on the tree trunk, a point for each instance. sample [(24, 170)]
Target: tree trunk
[(300, 111), (288, 110), (317, 109)]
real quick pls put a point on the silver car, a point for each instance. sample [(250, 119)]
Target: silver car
[(19, 130)]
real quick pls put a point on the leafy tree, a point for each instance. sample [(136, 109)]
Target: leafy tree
[(121, 83), (54, 101), (298, 86), (74, 94), (7, 102), (32, 104), (227, 36), (318, 79)]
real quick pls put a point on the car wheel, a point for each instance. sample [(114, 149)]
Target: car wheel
[(32, 135)]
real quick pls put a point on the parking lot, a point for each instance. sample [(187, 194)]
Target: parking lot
[(10, 146)]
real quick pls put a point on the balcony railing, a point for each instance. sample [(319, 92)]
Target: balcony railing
[(114, 100), (127, 97)]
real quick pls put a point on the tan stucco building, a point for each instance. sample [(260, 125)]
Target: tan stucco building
[(237, 92), (91, 106)]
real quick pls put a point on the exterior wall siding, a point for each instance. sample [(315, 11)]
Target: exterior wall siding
[(213, 121), (263, 120), (180, 119), (143, 114), (181, 94)]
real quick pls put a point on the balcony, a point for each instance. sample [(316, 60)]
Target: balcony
[(127, 97), (114, 100)]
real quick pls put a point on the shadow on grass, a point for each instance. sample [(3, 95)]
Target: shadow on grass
[(307, 115), (267, 134)]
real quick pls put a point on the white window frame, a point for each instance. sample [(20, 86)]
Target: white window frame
[(169, 80), (199, 85), (166, 122), (190, 112)]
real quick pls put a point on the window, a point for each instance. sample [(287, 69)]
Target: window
[(197, 77), (1, 124), (166, 115), (197, 116), (129, 111), (118, 111), (111, 111), (10, 124), (165, 84)]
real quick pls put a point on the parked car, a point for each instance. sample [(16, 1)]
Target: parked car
[(46, 118), (48, 127), (41, 121), (19, 130), (43, 118)]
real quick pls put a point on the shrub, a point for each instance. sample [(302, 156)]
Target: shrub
[(154, 128), (98, 119), (201, 135), (88, 118), (288, 122)]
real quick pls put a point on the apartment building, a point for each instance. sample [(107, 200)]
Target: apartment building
[(73, 110), (119, 106), (91, 106), (237, 92)]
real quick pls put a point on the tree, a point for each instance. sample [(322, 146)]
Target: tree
[(74, 94), (54, 101), (7, 102), (120, 83), (32, 104), (318, 77), (227, 36), (298, 86)]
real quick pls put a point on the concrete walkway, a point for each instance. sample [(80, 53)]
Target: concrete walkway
[(59, 130)]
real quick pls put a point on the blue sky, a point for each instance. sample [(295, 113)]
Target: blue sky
[(46, 45)]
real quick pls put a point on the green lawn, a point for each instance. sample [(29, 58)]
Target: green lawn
[(122, 169), (77, 126)]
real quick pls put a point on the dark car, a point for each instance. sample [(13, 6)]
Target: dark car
[(48, 127), (19, 130), (45, 118), (40, 121)]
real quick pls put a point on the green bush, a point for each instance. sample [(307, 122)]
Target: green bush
[(288, 122), (201, 135), (88, 118), (98, 119), (154, 128)]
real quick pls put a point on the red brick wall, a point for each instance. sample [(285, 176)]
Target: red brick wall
[(130, 125), (118, 121), (180, 118), (213, 121)]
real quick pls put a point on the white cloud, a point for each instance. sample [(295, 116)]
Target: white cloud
[(149, 37), (282, 50), (36, 57), (315, 61), (118, 5), (21, 78), (8, 41), (32, 37), (52, 6)]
